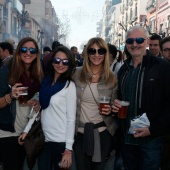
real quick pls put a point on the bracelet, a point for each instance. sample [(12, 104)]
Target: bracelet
[(7, 100)]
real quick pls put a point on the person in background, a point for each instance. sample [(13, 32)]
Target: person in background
[(165, 50), (77, 56), (12, 42), (23, 70), (115, 62), (47, 57), (94, 128), (58, 111), (74, 51), (143, 81), (46, 50), (6, 53), (154, 47)]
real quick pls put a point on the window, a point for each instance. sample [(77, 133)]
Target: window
[(14, 26), (126, 16), (136, 10), (130, 13)]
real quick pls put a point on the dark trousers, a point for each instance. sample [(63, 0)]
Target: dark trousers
[(165, 164), (11, 153), (83, 161), (143, 157), (50, 156)]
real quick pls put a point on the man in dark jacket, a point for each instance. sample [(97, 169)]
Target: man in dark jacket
[(165, 50), (144, 81)]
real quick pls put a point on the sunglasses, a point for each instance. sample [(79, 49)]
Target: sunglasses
[(25, 49), (138, 40), (166, 50), (65, 62), (92, 51)]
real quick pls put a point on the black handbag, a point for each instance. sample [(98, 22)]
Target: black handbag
[(33, 143)]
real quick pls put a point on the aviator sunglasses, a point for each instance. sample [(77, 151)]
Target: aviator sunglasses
[(138, 40), (101, 51), (65, 62), (25, 49)]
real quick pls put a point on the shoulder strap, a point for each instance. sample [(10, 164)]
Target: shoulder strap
[(93, 94)]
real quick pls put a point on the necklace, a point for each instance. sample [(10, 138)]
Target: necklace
[(94, 74)]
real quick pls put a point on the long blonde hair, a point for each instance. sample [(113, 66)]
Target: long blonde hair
[(17, 66), (86, 73)]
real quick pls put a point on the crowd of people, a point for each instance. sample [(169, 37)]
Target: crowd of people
[(66, 87)]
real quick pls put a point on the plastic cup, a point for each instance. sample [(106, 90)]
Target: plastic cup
[(123, 110), (104, 100), (23, 97)]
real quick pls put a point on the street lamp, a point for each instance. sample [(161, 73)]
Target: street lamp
[(22, 20), (119, 35)]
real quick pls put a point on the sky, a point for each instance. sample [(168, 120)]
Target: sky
[(82, 16)]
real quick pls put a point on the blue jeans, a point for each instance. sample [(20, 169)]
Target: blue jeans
[(50, 156), (143, 157)]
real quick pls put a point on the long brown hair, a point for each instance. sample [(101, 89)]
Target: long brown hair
[(17, 66), (86, 73)]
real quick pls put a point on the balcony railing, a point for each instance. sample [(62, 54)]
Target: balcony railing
[(151, 5)]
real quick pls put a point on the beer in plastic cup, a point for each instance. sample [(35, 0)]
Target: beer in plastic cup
[(23, 97), (123, 110), (104, 100)]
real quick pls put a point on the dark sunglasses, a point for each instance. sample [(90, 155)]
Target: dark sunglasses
[(25, 49), (101, 51), (138, 40), (65, 62)]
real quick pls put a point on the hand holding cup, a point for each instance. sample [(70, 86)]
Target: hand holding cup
[(120, 107), (23, 96)]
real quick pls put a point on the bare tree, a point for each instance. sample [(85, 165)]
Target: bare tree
[(64, 30)]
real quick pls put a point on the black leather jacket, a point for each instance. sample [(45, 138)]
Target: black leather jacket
[(152, 93)]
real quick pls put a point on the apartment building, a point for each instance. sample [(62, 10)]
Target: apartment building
[(46, 17), (20, 18), (158, 16), (119, 16)]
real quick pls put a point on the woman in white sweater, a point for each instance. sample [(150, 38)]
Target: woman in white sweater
[(58, 102)]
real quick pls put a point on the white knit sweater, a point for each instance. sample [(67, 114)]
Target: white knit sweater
[(58, 119)]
